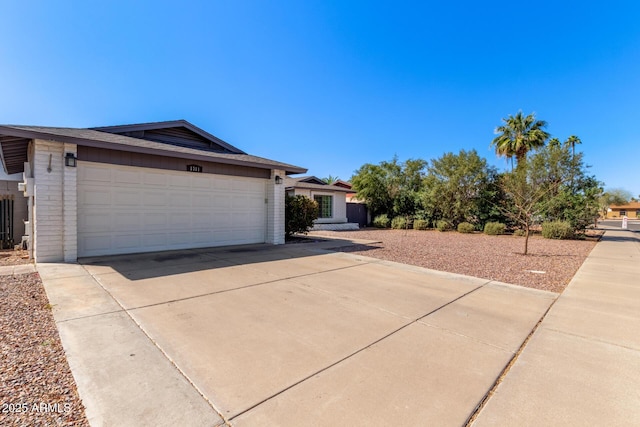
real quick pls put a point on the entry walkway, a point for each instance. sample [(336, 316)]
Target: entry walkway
[(582, 365)]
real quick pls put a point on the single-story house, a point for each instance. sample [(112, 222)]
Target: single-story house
[(141, 188), (331, 201), (357, 211), (630, 210)]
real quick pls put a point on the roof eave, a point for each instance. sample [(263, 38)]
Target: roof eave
[(289, 169)]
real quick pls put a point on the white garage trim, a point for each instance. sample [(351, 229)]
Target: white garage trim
[(124, 209)]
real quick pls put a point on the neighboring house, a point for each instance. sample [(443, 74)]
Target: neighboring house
[(331, 201), (357, 211), (13, 210), (141, 188), (630, 210)]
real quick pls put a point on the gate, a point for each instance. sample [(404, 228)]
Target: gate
[(6, 221), (357, 212)]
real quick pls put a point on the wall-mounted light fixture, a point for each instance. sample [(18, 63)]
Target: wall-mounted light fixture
[(70, 160), (278, 180)]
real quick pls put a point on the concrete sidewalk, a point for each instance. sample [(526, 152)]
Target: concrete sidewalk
[(582, 365)]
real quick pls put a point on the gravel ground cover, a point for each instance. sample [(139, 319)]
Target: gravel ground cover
[(36, 385), (11, 257), (549, 266)]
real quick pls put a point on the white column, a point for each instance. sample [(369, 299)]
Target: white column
[(70, 207), (275, 209), (47, 210)]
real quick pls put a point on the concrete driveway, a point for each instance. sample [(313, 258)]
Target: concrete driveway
[(283, 336)]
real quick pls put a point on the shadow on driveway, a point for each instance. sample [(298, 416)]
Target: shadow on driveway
[(158, 264)]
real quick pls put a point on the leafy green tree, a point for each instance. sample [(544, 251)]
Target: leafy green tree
[(457, 187), (299, 214), (390, 187), (518, 135), (573, 194)]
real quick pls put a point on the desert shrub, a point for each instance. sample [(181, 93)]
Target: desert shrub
[(420, 224), (465, 227), (519, 232), (399, 222), (494, 228), (443, 225), (557, 230), (382, 221), (299, 214)]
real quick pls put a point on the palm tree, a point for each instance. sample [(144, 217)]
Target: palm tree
[(330, 179), (518, 135), (573, 141), (554, 142)]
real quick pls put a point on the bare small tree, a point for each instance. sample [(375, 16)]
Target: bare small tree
[(525, 198)]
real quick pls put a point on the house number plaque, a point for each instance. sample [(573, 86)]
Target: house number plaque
[(194, 168)]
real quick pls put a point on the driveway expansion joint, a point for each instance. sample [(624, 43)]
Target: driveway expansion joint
[(268, 282), (483, 402), (155, 344), (591, 339), (349, 356)]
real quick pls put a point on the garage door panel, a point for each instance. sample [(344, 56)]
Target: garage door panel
[(128, 176), (180, 238), (180, 181), (95, 196), (126, 241), (179, 200), (95, 175), (96, 221), (179, 221), (94, 243), (202, 220), (124, 209), (155, 221), (154, 198), (156, 240), (223, 184), (201, 183), (154, 179), (126, 198), (129, 221)]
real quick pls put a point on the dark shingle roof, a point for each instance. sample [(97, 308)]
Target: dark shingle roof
[(299, 183), (95, 138)]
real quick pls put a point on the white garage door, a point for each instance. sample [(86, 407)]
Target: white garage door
[(124, 209)]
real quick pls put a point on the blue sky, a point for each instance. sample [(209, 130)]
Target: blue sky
[(331, 85)]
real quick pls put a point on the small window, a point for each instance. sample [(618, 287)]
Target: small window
[(623, 213), (638, 213), (325, 206)]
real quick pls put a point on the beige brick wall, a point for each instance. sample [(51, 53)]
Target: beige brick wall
[(55, 208)]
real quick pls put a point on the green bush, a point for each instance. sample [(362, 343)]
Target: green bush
[(465, 227), (519, 232), (494, 228), (443, 225), (399, 222), (382, 221), (559, 230), (299, 214), (420, 224)]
